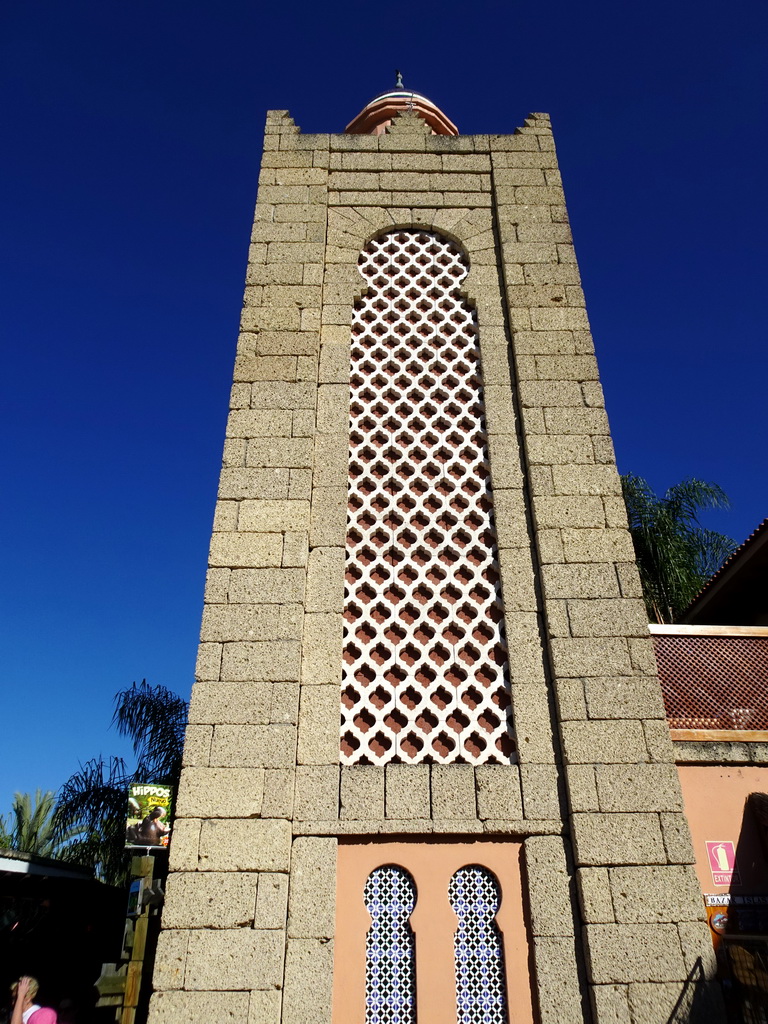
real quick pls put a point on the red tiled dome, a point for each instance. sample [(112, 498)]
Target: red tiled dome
[(377, 115)]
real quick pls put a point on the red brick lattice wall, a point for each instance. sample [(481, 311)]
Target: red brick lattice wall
[(714, 682)]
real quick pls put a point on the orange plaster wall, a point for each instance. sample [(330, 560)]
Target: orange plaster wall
[(431, 865), (714, 800)]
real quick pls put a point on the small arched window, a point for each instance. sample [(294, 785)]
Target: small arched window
[(478, 953), (390, 954), (455, 955)]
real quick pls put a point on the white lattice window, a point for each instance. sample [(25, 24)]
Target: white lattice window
[(425, 662)]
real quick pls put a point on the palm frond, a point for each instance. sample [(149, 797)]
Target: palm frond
[(30, 827), (714, 550), (92, 804), (675, 554), (90, 813), (692, 496), (154, 719)]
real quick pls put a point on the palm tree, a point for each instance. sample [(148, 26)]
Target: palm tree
[(31, 825), (154, 719), (92, 803), (675, 554), (91, 809)]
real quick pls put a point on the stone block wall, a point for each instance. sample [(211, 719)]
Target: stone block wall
[(615, 919)]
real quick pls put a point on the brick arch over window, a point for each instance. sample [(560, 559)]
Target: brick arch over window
[(425, 661)]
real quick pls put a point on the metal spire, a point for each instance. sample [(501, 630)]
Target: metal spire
[(398, 80)]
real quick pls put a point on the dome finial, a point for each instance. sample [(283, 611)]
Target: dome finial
[(376, 116)]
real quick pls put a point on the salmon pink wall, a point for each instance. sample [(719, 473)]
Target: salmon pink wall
[(431, 865), (714, 800)]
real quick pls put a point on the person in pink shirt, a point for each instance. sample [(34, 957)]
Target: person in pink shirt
[(25, 1009)]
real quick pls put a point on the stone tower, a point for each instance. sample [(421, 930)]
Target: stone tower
[(420, 535)]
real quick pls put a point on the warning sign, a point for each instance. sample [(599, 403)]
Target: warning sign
[(722, 862)]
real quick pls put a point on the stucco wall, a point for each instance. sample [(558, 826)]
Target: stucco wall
[(715, 798)]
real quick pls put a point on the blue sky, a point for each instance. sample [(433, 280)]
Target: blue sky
[(131, 135)]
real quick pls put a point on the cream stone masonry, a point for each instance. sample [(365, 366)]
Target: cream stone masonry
[(248, 929)]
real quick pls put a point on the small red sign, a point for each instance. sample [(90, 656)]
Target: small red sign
[(722, 862)]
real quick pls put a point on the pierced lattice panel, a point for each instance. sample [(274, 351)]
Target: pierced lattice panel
[(425, 661)]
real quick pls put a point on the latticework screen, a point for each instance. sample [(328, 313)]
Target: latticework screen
[(425, 662), (714, 682)]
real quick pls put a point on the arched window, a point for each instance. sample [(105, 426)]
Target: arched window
[(481, 996), (425, 661), (390, 955), (467, 931)]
